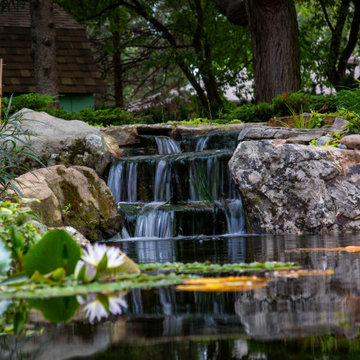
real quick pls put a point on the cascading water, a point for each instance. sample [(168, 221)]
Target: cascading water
[(123, 181), (177, 193), (167, 145)]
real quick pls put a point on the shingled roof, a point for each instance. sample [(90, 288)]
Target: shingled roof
[(76, 67)]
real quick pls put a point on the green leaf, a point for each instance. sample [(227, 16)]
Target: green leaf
[(16, 238), (19, 320), (56, 309), (47, 254), (5, 258), (102, 264)]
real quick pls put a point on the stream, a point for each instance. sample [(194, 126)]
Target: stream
[(180, 205)]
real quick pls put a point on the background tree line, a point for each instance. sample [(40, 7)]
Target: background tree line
[(144, 48)]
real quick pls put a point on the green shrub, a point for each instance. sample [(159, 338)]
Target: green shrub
[(19, 228), (251, 113), (36, 102), (296, 101), (349, 100)]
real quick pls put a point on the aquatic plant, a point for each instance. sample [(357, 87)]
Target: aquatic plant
[(206, 267), (101, 306), (96, 260)]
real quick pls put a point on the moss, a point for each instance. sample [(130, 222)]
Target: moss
[(96, 190), (60, 171), (83, 219)]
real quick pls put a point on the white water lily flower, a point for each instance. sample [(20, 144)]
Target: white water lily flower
[(114, 257), (115, 304), (94, 254), (96, 309), (84, 272)]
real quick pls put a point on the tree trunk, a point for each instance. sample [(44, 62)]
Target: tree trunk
[(44, 46), (275, 45), (118, 71)]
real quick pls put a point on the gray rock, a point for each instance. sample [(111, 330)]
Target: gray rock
[(339, 124), (291, 188), (69, 142), (351, 141), (256, 132), (323, 140)]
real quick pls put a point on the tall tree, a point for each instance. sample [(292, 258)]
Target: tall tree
[(329, 37), (275, 45), (189, 34), (44, 46), (341, 45)]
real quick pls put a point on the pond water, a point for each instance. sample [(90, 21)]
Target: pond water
[(314, 317), (181, 206)]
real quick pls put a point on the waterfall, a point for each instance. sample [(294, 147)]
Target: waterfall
[(154, 223), (206, 180), (200, 144), (122, 181), (172, 194), (162, 181), (167, 145), (235, 216)]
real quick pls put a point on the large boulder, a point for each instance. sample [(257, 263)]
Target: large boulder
[(73, 196), (68, 142), (292, 188)]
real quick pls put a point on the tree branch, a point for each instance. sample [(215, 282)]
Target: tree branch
[(354, 33), (326, 15)]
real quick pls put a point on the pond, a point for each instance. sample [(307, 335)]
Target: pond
[(181, 205), (312, 317)]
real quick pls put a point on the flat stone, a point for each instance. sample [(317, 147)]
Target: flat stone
[(256, 132), (182, 131), (125, 135), (351, 141)]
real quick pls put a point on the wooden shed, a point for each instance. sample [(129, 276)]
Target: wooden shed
[(78, 76)]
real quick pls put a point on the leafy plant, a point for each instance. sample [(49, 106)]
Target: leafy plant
[(5, 259), (303, 121), (13, 148), (34, 101), (56, 250), (19, 227)]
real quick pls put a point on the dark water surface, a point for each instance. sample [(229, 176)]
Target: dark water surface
[(314, 317)]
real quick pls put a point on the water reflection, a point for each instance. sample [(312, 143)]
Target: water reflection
[(310, 317)]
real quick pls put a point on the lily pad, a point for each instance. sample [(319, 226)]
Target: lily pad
[(56, 310), (55, 249)]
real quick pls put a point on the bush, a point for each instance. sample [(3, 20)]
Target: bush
[(111, 116), (297, 102), (32, 101)]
